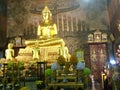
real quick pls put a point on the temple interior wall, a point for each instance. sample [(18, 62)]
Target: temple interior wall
[(73, 25)]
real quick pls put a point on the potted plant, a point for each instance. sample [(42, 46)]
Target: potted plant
[(48, 73), (80, 67), (24, 88), (61, 63), (54, 67), (73, 62), (40, 84), (87, 80)]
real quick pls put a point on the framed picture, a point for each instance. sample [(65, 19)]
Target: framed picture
[(90, 38), (18, 41), (97, 36), (104, 37)]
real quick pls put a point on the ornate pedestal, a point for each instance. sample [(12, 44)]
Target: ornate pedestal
[(74, 85), (47, 54)]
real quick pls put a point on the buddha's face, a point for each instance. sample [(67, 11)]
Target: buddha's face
[(46, 13), (10, 46), (46, 16)]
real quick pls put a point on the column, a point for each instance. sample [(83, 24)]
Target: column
[(76, 24), (71, 24), (62, 23), (67, 24)]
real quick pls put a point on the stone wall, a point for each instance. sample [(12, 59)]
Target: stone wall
[(3, 22)]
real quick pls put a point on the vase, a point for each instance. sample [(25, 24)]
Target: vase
[(60, 70)]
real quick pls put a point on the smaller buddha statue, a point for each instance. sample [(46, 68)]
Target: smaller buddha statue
[(9, 52), (63, 51), (36, 53)]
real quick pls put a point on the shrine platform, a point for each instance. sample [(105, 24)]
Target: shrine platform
[(74, 85)]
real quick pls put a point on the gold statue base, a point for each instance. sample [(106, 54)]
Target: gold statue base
[(44, 42), (49, 50)]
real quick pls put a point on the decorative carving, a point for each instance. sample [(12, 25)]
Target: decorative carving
[(98, 57), (97, 36), (18, 41), (104, 37), (90, 38)]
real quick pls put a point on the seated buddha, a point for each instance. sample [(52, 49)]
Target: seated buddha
[(46, 31)]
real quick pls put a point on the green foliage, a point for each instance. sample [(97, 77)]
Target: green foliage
[(24, 88), (87, 71), (48, 72), (15, 65), (10, 65), (38, 82), (21, 65)]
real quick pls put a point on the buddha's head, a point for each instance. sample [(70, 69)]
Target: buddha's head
[(47, 15), (10, 46)]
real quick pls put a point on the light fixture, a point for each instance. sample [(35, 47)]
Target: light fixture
[(113, 62)]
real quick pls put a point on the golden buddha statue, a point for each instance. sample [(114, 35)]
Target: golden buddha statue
[(63, 51), (47, 29), (46, 32), (9, 52)]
